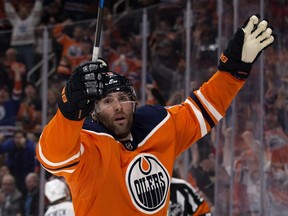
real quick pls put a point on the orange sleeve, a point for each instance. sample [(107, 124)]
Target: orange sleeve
[(57, 30), (201, 111), (61, 37), (221, 89), (203, 209), (17, 85), (59, 147)]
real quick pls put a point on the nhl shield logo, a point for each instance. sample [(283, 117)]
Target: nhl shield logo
[(148, 183)]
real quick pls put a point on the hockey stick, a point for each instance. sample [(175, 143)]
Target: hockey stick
[(98, 31)]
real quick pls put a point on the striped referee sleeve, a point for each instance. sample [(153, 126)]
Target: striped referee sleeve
[(185, 200)]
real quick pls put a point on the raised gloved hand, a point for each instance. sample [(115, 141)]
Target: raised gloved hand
[(81, 90), (245, 47)]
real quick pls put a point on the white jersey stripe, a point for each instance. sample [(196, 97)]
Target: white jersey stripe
[(210, 107), (53, 164), (155, 129), (200, 118), (58, 171)]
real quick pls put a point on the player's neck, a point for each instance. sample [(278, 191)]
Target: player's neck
[(128, 137)]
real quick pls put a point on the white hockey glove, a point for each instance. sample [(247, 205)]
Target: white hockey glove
[(245, 47)]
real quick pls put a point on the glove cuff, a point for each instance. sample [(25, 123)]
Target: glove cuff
[(238, 69)]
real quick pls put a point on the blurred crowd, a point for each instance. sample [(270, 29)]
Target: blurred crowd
[(237, 147)]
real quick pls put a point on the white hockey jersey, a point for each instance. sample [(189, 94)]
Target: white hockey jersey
[(60, 209)]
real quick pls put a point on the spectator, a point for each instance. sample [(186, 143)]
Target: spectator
[(153, 96), (9, 106), (203, 167), (24, 23), (275, 138), (11, 199), (2, 14), (122, 56), (86, 46), (4, 77), (79, 9), (277, 185), (4, 25), (282, 104), (4, 169), (72, 48), (53, 97), (31, 198), (163, 67), (247, 173), (12, 65), (165, 56), (52, 13), (29, 114), (20, 157), (58, 195)]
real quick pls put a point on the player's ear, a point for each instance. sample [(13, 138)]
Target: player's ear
[(94, 116)]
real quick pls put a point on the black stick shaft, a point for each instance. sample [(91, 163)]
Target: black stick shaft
[(98, 31)]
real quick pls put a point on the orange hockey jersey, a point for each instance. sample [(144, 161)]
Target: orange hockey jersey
[(107, 179), (72, 53)]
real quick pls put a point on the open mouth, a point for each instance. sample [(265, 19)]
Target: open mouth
[(120, 119)]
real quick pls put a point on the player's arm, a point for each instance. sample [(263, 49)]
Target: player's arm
[(17, 88), (234, 67), (59, 34), (209, 104), (60, 147)]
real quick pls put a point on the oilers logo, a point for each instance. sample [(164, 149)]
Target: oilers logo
[(148, 183)]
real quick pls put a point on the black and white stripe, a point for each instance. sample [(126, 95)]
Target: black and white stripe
[(184, 199)]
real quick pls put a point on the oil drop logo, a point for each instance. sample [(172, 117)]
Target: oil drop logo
[(148, 183)]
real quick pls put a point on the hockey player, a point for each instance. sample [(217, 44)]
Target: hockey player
[(58, 195), (121, 162)]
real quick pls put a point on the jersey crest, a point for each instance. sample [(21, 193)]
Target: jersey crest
[(148, 183)]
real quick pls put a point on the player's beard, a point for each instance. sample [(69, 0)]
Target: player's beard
[(119, 131)]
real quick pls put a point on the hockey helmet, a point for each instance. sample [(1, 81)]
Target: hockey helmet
[(115, 82), (55, 189)]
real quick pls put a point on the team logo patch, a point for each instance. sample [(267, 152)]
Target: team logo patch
[(148, 183)]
